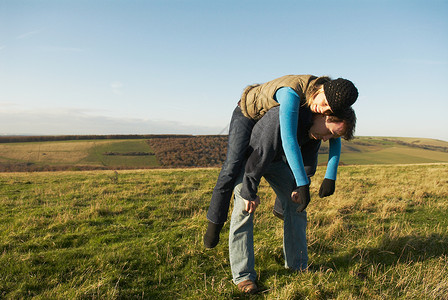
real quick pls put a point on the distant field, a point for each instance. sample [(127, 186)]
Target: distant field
[(391, 150), (391, 155), (47, 152), (200, 151), (78, 153), (421, 141), (97, 154)]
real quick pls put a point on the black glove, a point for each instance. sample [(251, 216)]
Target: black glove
[(327, 187), (304, 197)]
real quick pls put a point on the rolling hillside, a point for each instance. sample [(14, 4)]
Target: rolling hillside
[(192, 151), (390, 150)]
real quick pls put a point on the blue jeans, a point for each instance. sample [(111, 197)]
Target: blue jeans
[(241, 236), (240, 130)]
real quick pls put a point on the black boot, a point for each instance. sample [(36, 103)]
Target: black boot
[(211, 237)]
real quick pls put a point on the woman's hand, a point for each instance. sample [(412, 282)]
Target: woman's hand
[(327, 188), (301, 196)]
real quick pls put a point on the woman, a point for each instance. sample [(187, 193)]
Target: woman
[(320, 94)]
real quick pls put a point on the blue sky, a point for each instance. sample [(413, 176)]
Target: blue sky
[(166, 66)]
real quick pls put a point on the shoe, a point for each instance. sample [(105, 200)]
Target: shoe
[(247, 287), (277, 214), (211, 236)]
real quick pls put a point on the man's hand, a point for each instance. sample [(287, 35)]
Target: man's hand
[(251, 206), (327, 188), (301, 195)]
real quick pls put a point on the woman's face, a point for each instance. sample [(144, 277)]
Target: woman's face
[(319, 105)]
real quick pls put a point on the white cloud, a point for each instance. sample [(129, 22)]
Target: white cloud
[(77, 121), (28, 34), (116, 84), (61, 49), (7, 104), (117, 87)]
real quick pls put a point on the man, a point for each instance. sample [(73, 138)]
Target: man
[(266, 160)]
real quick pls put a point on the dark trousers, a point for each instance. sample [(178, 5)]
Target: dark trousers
[(240, 130)]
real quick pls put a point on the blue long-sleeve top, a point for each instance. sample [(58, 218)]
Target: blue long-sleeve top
[(289, 116)]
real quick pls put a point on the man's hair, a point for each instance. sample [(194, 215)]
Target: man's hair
[(347, 116)]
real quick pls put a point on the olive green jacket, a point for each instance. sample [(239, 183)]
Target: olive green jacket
[(257, 99)]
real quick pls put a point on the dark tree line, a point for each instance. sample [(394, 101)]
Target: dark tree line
[(199, 151)]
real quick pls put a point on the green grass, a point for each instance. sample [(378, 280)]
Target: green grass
[(138, 235), (391, 150), (391, 156), (96, 154), (79, 153)]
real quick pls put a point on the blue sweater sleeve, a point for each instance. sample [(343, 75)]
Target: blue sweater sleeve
[(289, 116), (333, 158)]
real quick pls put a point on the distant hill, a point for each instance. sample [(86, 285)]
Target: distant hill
[(390, 150), (48, 153)]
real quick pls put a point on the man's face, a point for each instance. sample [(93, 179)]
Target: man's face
[(324, 130)]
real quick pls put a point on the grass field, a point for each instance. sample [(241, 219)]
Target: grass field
[(420, 141), (390, 150), (138, 235), (78, 153), (96, 154), (391, 155)]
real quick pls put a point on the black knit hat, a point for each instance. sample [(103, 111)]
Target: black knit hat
[(340, 93)]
